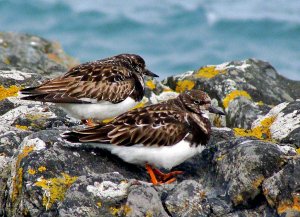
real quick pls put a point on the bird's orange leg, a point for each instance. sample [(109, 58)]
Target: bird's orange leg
[(152, 175), (166, 176), (158, 177), (88, 122)]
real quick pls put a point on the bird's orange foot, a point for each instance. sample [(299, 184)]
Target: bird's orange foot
[(158, 177), (88, 122)]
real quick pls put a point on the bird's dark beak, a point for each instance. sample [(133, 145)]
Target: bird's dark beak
[(149, 73), (216, 111)]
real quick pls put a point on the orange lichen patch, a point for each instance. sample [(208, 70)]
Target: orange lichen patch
[(21, 127), (288, 205), (234, 94), (8, 92), (257, 182), (184, 85), (54, 57), (208, 72), (261, 132), (18, 177), (55, 188), (42, 169), (150, 84), (31, 171)]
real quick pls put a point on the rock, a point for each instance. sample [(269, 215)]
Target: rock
[(250, 79), (281, 124), (243, 166), (282, 189), (251, 170), (188, 199), (96, 195), (144, 201), (27, 60)]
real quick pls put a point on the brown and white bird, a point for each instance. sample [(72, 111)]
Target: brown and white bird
[(162, 135), (96, 90)]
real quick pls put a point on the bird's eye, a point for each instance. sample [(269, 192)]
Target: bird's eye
[(197, 102)]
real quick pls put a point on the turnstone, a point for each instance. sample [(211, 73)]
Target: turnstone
[(96, 90), (162, 135)]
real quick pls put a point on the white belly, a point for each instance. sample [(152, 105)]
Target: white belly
[(99, 111), (166, 157)]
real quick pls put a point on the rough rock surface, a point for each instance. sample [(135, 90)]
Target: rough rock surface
[(252, 79), (242, 172)]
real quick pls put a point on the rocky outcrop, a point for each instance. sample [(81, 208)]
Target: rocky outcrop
[(249, 170), (255, 81)]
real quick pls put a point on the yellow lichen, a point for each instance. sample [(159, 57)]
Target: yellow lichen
[(18, 177), (6, 61), (260, 103), (99, 204), (221, 157), (238, 199), (289, 205), (261, 131), (107, 120), (31, 171), (217, 122), (55, 188), (184, 85), (298, 150), (139, 105), (34, 117), (42, 169), (257, 182), (21, 127), (149, 214), (8, 92), (123, 210), (234, 94), (208, 72), (150, 84)]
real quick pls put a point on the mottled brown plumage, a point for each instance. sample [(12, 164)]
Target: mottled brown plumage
[(163, 124), (112, 79)]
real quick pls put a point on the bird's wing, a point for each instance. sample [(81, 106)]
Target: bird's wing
[(86, 84), (149, 126)]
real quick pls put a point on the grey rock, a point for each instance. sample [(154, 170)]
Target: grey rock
[(244, 165), (282, 189), (96, 195), (251, 79), (188, 199), (144, 201)]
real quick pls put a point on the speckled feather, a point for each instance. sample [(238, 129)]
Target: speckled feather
[(163, 124), (112, 79)]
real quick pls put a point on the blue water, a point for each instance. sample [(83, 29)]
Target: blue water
[(173, 36)]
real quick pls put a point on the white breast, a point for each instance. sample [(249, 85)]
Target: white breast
[(166, 157), (100, 111)]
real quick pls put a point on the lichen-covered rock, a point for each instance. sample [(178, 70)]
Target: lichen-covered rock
[(251, 79), (188, 199), (42, 175), (281, 124), (243, 166), (26, 59), (96, 195), (282, 189)]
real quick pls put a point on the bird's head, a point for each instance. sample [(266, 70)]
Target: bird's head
[(198, 102), (138, 64)]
